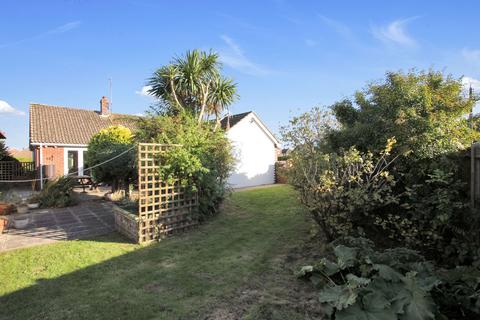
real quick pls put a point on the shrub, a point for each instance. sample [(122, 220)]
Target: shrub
[(107, 144), (361, 282), (341, 190), (425, 112), (203, 159), (57, 193)]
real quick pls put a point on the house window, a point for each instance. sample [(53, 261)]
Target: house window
[(72, 161), (85, 164)]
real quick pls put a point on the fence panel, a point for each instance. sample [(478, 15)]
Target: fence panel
[(164, 208), (14, 170), (475, 175)]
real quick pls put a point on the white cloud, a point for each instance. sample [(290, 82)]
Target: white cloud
[(5, 108), (310, 43), (395, 33), (337, 26), (64, 28), (61, 29), (235, 58), (471, 55), (144, 91)]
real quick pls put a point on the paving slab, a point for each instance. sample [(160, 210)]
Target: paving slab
[(88, 219)]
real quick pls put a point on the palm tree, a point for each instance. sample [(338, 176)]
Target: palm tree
[(224, 94), (193, 83)]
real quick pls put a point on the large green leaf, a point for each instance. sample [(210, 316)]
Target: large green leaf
[(328, 267), (356, 312), (346, 257), (418, 304), (387, 273), (339, 296)]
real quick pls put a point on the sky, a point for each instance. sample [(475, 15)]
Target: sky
[(285, 56)]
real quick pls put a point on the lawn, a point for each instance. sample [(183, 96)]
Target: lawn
[(234, 266)]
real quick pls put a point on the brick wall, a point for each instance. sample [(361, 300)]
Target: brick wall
[(51, 155)]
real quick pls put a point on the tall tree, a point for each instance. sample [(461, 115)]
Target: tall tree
[(193, 83)]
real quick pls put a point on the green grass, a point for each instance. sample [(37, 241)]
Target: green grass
[(229, 268)]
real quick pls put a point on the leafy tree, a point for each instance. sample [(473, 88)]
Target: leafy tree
[(107, 144), (424, 111), (4, 154), (193, 83), (203, 159)]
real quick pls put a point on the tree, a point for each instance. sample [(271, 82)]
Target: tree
[(424, 111), (193, 84), (4, 154), (107, 144)]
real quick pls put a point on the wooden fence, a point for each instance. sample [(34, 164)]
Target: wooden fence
[(164, 208), (474, 178), (14, 170)]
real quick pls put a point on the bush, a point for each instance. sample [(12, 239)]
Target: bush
[(361, 282), (426, 207), (107, 144), (341, 190), (57, 193), (203, 159)]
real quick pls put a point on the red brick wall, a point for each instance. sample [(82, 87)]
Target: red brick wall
[(51, 155)]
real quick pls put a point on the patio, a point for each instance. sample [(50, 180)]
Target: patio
[(85, 220)]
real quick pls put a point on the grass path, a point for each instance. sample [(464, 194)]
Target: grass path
[(214, 272)]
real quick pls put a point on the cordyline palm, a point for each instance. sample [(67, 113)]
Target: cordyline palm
[(193, 83), (224, 94)]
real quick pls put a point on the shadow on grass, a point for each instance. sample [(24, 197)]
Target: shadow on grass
[(184, 277)]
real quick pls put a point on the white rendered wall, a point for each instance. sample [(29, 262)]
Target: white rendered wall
[(255, 155)]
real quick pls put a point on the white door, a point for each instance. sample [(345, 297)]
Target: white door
[(74, 161)]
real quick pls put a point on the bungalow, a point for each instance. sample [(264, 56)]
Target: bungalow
[(59, 135), (59, 138)]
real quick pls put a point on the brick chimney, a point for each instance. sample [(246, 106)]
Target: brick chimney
[(104, 106)]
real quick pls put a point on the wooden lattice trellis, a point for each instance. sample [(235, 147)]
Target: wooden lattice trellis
[(14, 170), (163, 208)]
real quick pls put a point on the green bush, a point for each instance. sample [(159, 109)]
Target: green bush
[(202, 159), (57, 193), (361, 282), (424, 111), (341, 190), (106, 144)]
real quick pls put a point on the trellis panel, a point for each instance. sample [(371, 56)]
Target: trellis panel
[(163, 208)]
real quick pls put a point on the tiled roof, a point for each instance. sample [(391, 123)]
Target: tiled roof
[(62, 125), (230, 121)]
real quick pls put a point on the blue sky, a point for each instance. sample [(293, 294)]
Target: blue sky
[(285, 56)]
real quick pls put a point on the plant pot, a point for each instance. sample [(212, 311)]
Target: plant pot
[(5, 209), (33, 205), (20, 222), (3, 224), (22, 209)]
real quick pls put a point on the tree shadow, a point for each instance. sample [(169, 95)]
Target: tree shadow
[(183, 277)]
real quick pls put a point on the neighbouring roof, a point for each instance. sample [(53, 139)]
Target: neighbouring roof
[(63, 125), (230, 121)]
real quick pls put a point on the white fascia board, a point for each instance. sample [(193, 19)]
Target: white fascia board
[(59, 145)]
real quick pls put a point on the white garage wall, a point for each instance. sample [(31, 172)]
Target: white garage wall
[(254, 152)]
